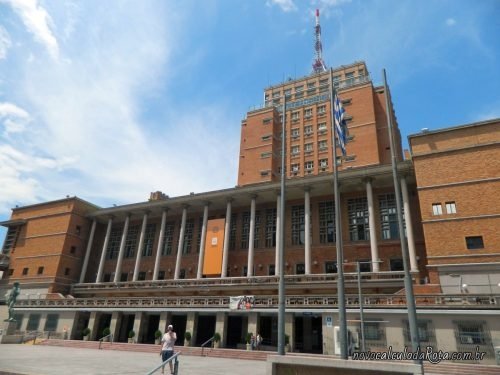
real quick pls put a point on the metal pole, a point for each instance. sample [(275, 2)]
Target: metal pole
[(361, 314), (281, 247), (338, 235), (410, 298)]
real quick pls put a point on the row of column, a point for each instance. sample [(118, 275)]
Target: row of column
[(250, 264)]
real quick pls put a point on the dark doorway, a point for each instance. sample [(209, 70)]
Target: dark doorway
[(126, 325), (205, 328), (317, 334), (150, 329), (179, 323), (299, 334), (268, 329), (81, 323), (104, 322), (234, 331)]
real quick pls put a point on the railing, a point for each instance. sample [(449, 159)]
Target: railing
[(209, 341), (173, 358), (463, 301), (291, 280), (31, 335), (110, 337)]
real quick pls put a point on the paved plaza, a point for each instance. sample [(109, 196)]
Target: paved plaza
[(48, 360)]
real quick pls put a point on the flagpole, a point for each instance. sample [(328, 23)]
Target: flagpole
[(338, 234), (410, 298), (281, 247)]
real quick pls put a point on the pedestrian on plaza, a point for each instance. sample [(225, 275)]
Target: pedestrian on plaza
[(258, 340), (167, 347)]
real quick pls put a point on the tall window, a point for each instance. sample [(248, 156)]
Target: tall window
[(295, 150), (168, 239), (298, 225), (198, 237), (331, 267), (256, 234), (33, 322), (308, 147), (131, 241), (188, 237), (451, 208), (308, 130), (114, 243), (232, 232), (437, 209), (309, 165), (326, 222), (388, 216), (300, 269), (245, 230), (149, 237), (322, 145), (358, 219), (322, 127), (270, 227), (51, 322)]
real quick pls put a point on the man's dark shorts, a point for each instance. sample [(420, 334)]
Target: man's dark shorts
[(166, 355)]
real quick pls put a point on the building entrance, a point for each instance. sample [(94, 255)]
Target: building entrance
[(152, 323), (235, 334), (308, 334), (205, 328), (126, 325), (179, 323), (268, 330)]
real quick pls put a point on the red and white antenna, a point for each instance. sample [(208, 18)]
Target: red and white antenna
[(318, 64)]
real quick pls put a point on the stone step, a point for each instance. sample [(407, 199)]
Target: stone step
[(462, 369)]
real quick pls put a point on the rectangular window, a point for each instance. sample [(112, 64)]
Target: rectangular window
[(295, 116), (372, 332), (309, 165), (67, 271), (451, 208), (295, 150), (256, 232), (33, 322), (388, 216), (40, 271), (437, 209), (78, 230), (299, 88), (349, 78), (326, 222), (107, 278), (336, 81), (168, 239), (323, 163), (124, 277), (365, 265), (308, 130), (11, 271), (266, 137), (308, 113), (300, 269), (298, 225), (182, 274), (149, 238), (245, 230), (474, 242), (51, 322), (142, 276), (322, 145), (288, 93), (321, 109), (72, 249), (270, 227), (232, 232), (267, 120), (276, 94), (198, 236), (188, 236), (114, 243), (131, 241), (397, 264), (265, 155), (358, 219), (25, 271), (308, 147), (331, 267), (295, 133), (161, 275), (471, 332), (295, 168), (272, 270), (19, 321)]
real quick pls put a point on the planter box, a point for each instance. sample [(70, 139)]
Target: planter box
[(86, 338)]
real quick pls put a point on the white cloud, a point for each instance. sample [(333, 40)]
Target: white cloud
[(285, 5), (13, 118), (451, 22), (38, 22), (9, 109), (5, 42)]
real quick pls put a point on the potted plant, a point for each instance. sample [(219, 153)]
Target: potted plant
[(105, 334), (131, 336), (158, 335), (86, 334), (216, 340), (187, 338), (248, 339), (287, 343)]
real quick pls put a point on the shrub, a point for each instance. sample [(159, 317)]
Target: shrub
[(287, 339), (216, 336), (158, 334), (248, 337), (131, 334), (187, 336), (86, 331), (106, 331)]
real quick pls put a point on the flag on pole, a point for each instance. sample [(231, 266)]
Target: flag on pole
[(340, 124)]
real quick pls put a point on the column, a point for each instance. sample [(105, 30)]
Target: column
[(191, 323), (290, 328), (277, 259), (328, 335), (103, 253), (251, 238), (371, 223), (165, 318), (118, 269), (114, 326), (227, 231), (138, 325), (160, 244), (307, 232), (201, 257), (253, 318), (139, 248), (220, 327), (409, 226), (94, 325), (87, 251), (181, 243)]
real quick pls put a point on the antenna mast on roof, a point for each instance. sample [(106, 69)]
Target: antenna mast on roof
[(318, 64)]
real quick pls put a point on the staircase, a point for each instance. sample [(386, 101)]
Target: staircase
[(430, 369)]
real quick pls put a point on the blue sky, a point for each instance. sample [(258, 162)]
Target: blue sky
[(110, 100)]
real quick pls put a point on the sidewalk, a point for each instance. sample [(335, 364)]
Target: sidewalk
[(47, 360)]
